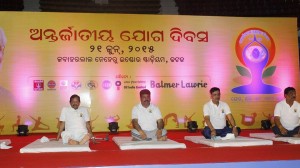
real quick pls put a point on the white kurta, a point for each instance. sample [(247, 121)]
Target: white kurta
[(75, 123), (289, 115), (217, 114), (147, 117)]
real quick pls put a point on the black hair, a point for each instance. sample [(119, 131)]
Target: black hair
[(145, 91), (213, 89), (74, 96), (288, 89)]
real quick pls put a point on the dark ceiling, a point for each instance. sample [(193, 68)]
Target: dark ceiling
[(243, 8)]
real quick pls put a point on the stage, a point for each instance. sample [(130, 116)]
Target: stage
[(107, 153)]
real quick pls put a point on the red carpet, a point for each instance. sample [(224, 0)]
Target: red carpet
[(107, 153)]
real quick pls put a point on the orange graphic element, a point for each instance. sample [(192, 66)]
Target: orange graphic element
[(270, 117), (1, 126), (248, 120), (175, 119), (203, 123), (58, 123), (130, 126), (38, 123), (17, 123), (244, 40), (187, 119), (91, 122)]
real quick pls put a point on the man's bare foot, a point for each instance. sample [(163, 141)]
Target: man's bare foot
[(163, 138), (85, 139), (73, 142)]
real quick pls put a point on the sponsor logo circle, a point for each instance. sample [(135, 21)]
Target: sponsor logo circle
[(106, 84), (51, 84), (76, 84), (92, 84), (118, 83)]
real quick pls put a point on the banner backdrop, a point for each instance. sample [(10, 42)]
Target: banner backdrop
[(108, 58)]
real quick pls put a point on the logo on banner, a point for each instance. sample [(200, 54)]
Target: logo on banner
[(51, 85), (106, 84), (118, 84), (38, 85), (92, 84), (76, 84), (255, 49), (63, 84)]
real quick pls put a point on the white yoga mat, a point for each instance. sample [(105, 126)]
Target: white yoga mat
[(7, 141), (237, 142), (53, 146), (126, 143), (271, 136)]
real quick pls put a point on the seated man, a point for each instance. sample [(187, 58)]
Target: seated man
[(286, 115), (216, 113), (147, 120), (76, 122)]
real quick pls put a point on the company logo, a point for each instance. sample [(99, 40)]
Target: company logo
[(106, 84), (38, 85), (118, 84), (51, 84), (63, 84), (92, 84), (255, 50), (76, 84)]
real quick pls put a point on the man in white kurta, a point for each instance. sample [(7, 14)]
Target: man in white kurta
[(287, 115), (147, 120), (215, 114), (75, 123)]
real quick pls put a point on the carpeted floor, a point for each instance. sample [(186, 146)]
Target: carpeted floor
[(107, 153)]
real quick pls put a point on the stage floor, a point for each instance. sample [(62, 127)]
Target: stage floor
[(107, 153)]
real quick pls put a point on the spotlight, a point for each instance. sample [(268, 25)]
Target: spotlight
[(113, 127), (22, 130), (192, 126), (265, 124)]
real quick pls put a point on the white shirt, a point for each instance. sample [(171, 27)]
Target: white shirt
[(75, 120), (147, 117), (217, 114), (289, 116)]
